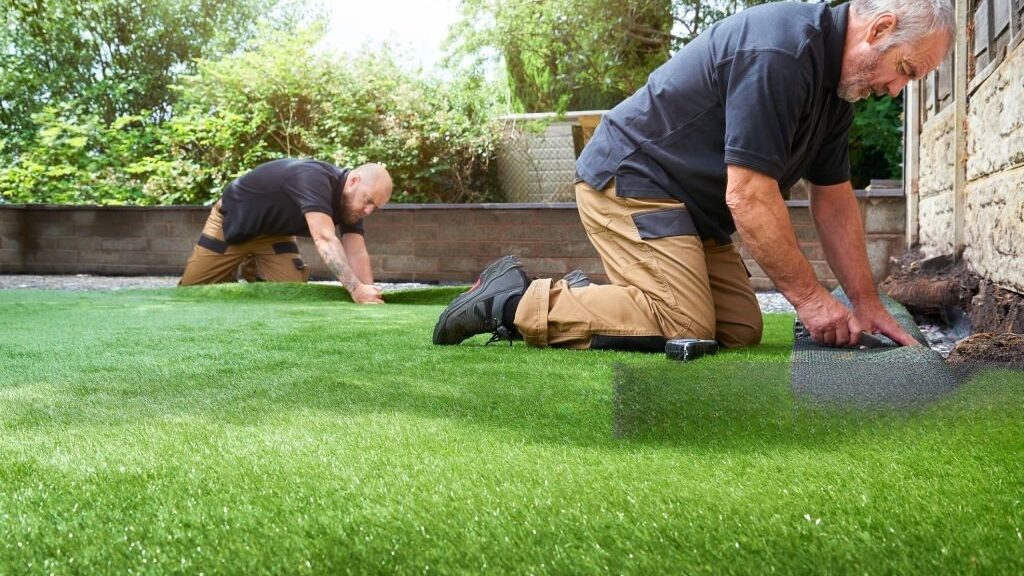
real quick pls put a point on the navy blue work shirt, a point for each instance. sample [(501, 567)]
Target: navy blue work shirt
[(757, 90)]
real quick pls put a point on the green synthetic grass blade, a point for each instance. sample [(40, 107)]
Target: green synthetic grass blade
[(282, 429)]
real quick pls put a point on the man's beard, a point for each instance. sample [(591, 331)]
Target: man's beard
[(857, 85)]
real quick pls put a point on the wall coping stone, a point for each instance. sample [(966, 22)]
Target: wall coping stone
[(882, 193)]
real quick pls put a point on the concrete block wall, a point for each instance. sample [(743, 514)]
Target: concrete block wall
[(994, 209), (12, 258), (422, 243), (537, 166), (453, 242)]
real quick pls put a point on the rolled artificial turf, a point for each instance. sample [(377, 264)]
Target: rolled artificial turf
[(283, 429)]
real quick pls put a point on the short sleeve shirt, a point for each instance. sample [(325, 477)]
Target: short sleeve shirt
[(757, 90), (274, 198)]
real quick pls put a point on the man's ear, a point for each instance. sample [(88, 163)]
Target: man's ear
[(881, 27), (354, 179)]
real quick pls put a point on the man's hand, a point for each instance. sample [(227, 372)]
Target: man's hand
[(829, 322), (837, 219), (321, 228), (763, 221), (367, 294), (833, 324), (876, 319)]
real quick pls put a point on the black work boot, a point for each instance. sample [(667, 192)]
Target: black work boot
[(480, 309), (577, 279)]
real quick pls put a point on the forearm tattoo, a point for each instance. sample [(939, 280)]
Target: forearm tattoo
[(332, 254)]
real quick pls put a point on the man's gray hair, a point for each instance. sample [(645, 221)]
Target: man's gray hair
[(915, 19)]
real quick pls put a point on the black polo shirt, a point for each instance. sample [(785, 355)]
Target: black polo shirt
[(274, 197), (757, 89)]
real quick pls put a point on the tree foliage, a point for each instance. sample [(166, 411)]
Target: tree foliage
[(285, 99), (579, 54), (77, 158), (876, 140), (566, 54), (164, 101), (111, 58), (691, 17)]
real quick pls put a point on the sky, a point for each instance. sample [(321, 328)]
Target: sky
[(417, 26)]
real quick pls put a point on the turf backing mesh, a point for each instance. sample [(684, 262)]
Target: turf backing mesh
[(888, 376)]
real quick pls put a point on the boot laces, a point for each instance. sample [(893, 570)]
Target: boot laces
[(500, 333)]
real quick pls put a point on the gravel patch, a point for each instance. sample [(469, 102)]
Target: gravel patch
[(940, 338), (84, 282), (774, 302), (88, 282), (384, 286)]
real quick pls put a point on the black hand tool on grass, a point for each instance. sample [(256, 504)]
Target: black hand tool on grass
[(687, 349)]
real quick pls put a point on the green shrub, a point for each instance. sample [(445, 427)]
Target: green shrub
[(437, 137), (78, 159), (283, 98)]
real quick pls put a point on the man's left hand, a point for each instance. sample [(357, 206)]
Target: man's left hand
[(875, 319)]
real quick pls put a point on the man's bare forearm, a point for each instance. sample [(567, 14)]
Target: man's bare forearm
[(333, 255), (763, 222), (837, 219), (357, 257)]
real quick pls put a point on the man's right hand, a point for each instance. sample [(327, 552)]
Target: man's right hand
[(366, 294), (829, 322)]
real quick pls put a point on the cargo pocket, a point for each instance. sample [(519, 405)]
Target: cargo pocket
[(647, 276), (212, 244)]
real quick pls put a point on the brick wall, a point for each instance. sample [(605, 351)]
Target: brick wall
[(423, 243)]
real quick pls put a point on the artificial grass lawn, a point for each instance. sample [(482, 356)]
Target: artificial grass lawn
[(265, 428)]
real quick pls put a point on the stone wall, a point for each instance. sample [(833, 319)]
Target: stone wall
[(97, 240), (994, 232), (423, 243), (936, 185)]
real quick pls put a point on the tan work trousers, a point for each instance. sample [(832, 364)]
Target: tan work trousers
[(674, 286), (276, 257)]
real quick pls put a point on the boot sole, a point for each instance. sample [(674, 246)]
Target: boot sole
[(493, 270)]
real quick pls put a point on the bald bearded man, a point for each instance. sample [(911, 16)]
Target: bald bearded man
[(261, 212)]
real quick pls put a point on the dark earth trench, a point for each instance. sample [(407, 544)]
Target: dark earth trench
[(967, 319)]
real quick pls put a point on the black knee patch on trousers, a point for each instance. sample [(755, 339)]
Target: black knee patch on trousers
[(664, 223), (628, 343), (212, 244), (285, 248)]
